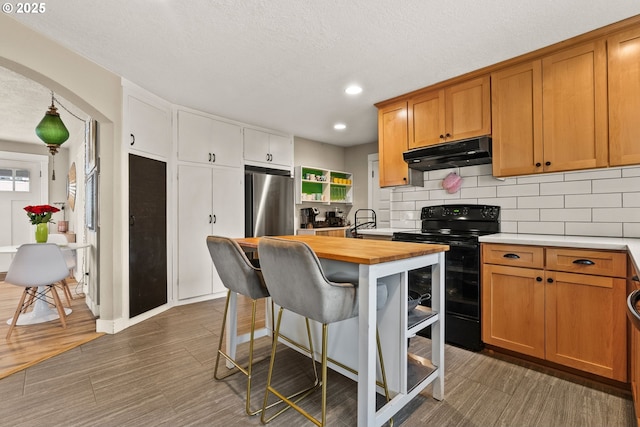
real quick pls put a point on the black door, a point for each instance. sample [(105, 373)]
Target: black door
[(147, 234)]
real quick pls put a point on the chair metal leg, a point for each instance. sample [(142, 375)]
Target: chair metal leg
[(325, 333), (324, 364), (246, 371), (291, 403)]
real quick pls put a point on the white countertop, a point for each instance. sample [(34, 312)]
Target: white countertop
[(384, 231), (324, 228), (632, 246)]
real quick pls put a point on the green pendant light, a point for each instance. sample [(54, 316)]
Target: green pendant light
[(51, 130)]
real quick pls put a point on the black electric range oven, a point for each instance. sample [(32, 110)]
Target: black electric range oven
[(458, 226)]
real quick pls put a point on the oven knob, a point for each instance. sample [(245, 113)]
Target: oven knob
[(465, 211)]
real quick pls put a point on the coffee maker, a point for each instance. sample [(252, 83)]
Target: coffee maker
[(308, 217)]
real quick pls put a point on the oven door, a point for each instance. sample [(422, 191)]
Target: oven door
[(462, 275)]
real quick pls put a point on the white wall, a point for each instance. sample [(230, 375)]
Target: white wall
[(321, 155), (599, 202), (356, 162), (98, 93)]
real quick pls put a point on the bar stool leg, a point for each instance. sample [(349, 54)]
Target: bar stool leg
[(298, 396), (237, 368)]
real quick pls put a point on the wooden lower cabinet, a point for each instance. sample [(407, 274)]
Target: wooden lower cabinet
[(585, 327), (634, 346), (513, 309), (575, 320), (331, 232)]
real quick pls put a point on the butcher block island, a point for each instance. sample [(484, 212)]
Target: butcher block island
[(353, 341)]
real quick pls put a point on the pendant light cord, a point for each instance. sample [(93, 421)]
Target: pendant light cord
[(66, 109)]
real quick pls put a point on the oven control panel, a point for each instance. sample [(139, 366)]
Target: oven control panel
[(461, 212)]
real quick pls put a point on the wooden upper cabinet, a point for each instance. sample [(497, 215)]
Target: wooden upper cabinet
[(574, 101), (392, 134), (624, 98), (516, 114), (456, 112), (468, 109), (426, 119), (550, 114)]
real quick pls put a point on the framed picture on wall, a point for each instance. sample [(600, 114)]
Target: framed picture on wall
[(92, 147), (91, 200)]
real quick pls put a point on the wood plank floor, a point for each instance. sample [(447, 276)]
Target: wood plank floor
[(160, 373), (31, 344)]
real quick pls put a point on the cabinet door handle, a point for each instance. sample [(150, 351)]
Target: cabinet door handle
[(584, 262), (210, 219), (538, 164), (547, 163), (132, 220), (133, 139), (441, 136), (271, 157), (549, 280), (214, 219), (213, 157), (209, 156), (448, 135), (511, 256), (267, 157), (635, 279), (538, 279)]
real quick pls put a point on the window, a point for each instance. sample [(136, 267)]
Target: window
[(14, 180)]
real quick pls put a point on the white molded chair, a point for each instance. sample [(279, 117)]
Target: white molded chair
[(297, 282), (70, 259), (37, 265)]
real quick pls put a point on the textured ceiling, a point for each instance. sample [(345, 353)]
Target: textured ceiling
[(23, 104), (284, 64)]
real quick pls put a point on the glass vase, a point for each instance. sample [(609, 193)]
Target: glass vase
[(42, 232)]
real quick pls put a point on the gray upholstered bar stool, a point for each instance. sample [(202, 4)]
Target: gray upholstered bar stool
[(240, 276), (289, 266)]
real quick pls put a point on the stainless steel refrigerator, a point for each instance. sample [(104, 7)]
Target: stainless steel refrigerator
[(269, 202)]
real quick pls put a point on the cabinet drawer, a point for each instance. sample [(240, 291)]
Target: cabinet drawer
[(599, 263), (513, 255)]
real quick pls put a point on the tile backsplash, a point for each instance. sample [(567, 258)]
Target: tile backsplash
[(597, 202)]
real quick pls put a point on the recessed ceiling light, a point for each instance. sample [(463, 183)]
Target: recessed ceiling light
[(353, 90), (339, 126)]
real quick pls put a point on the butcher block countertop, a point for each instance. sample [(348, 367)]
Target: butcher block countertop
[(358, 251)]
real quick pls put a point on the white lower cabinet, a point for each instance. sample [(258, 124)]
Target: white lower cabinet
[(210, 202)]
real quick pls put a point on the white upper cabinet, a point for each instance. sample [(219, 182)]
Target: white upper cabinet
[(204, 139), (147, 122), (267, 149)]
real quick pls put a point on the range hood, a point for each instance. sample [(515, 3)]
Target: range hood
[(466, 152)]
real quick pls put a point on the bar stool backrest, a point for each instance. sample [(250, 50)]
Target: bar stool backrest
[(235, 270), (296, 281)]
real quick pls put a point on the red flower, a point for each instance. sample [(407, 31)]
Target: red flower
[(40, 213)]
